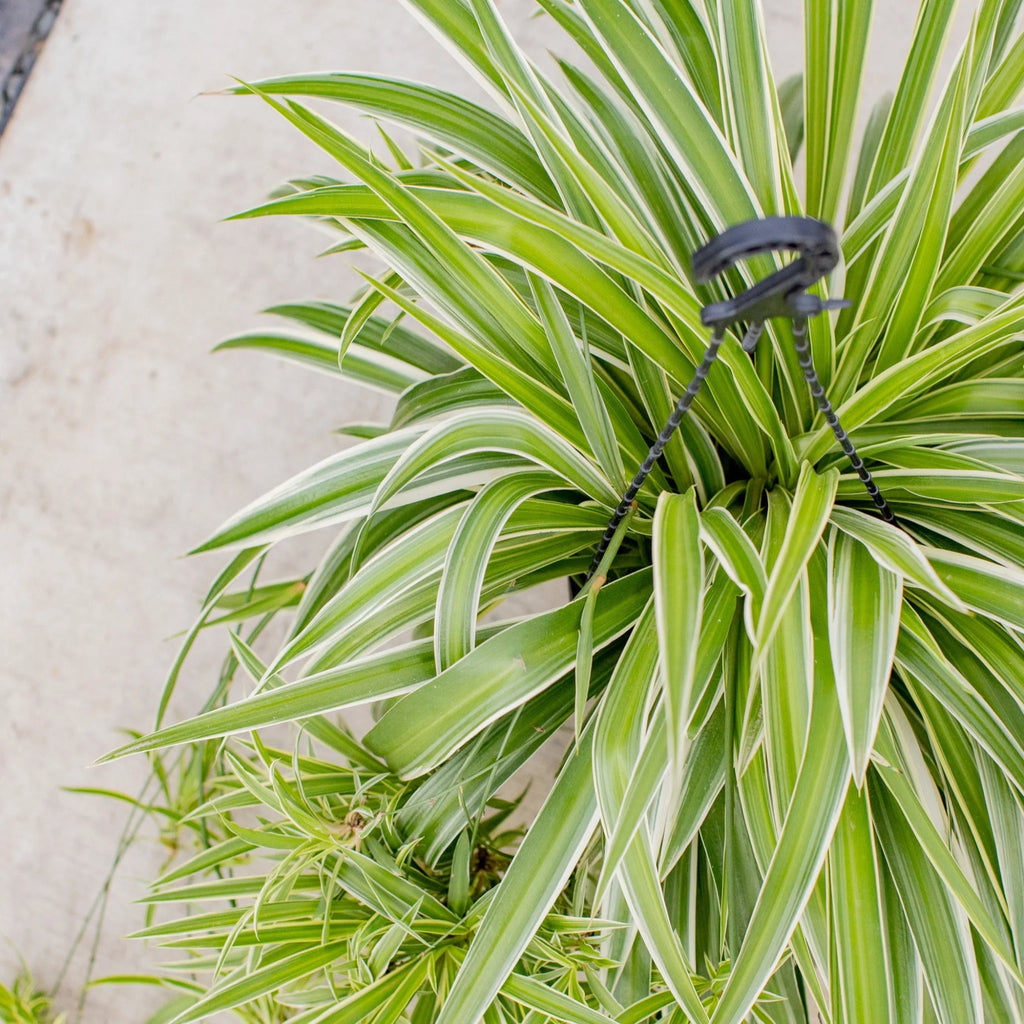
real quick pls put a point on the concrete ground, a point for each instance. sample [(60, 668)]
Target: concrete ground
[(122, 441)]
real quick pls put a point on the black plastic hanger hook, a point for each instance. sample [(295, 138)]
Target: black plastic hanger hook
[(782, 294)]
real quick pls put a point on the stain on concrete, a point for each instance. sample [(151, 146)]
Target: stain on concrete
[(79, 237), (24, 26)]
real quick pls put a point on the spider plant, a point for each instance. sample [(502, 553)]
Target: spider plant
[(793, 789), (22, 1003)]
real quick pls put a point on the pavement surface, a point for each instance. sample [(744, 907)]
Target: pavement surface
[(122, 441)]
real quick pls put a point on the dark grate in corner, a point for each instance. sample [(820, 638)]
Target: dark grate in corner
[(24, 26)]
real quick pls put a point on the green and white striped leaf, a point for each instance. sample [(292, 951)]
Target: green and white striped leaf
[(893, 549), (367, 679), (245, 986), (458, 597), (863, 987), (496, 430), (441, 117), (574, 363), (337, 490), (812, 504), (993, 590), (679, 598), (374, 369), (864, 623)]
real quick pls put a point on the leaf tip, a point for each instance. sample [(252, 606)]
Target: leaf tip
[(112, 755)]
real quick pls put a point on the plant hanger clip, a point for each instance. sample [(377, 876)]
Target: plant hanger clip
[(782, 294)]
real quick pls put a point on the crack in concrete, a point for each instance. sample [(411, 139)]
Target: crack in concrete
[(14, 81)]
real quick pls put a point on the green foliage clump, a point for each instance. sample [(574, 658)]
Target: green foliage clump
[(22, 1003)]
